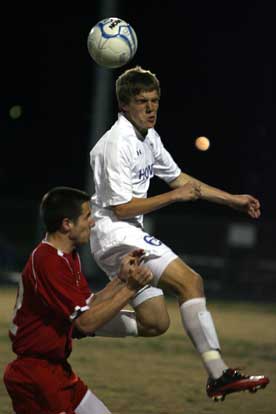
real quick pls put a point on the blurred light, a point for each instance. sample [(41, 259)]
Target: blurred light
[(202, 143), (15, 111)]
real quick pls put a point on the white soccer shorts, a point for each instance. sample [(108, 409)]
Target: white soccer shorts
[(158, 257)]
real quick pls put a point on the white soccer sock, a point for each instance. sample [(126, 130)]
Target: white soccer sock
[(199, 325), (123, 324)]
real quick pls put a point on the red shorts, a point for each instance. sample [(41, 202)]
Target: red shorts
[(38, 386)]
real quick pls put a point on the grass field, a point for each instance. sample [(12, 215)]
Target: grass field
[(164, 375)]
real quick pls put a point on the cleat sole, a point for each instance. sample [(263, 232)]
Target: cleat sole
[(232, 382)]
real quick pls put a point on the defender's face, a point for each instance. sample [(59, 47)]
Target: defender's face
[(80, 231), (142, 110)]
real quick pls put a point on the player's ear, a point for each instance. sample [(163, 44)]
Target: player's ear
[(124, 107), (67, 224)]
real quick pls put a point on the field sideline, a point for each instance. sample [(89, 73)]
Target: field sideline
[(164, 375)]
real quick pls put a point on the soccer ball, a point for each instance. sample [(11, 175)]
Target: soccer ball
[(112, 42)]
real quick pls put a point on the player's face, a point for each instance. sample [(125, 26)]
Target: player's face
[(80, 231), (142, 110)]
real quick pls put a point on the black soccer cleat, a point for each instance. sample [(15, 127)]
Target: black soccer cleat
[(233, 381)]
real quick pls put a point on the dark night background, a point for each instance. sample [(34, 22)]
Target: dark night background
[(215, 61)]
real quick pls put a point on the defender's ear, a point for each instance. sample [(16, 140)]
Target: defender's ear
[(66, 224)]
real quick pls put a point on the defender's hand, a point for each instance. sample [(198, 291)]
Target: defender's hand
[(131, 272), (129, 264), (141, 277)]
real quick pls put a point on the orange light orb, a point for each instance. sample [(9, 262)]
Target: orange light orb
[(202, 143)]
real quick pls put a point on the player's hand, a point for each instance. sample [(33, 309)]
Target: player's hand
[(131, 272), (247, 204), (130, 263), (188, 192), (141, 277)]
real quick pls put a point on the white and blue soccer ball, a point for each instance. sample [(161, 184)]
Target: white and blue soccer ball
[(112, 42)]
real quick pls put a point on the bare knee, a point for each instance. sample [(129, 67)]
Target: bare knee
[(194, 286), (153, 326), (152, 317), (161, 325)]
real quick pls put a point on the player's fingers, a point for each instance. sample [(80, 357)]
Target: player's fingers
[(137, 253), (146, 274), (128, 264), (257, 203), (254, 212), (149, 277), (143, 257), (254, 201), (133, 257), (126, 260), (136, 256)]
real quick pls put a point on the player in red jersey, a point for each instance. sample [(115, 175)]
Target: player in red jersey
[(53, 301)]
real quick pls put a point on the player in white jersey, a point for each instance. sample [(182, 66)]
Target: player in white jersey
[(123, 162)]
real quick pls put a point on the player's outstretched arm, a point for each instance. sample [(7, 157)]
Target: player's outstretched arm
[(136, 206), (108, 302), (241, 202), (187, 188)]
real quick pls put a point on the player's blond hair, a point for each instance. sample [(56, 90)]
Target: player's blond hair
[(133, 81)]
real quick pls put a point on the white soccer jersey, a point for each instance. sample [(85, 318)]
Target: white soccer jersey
[(123, 162)]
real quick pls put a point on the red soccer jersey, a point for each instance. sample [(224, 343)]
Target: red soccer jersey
[(52, 293)]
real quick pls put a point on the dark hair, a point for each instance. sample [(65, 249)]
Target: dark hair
[(60, 203), (133, 81)]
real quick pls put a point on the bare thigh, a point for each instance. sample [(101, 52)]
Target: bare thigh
[(182, 280)]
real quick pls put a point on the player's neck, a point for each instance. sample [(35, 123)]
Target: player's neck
[(60, 242), (142, 132)]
